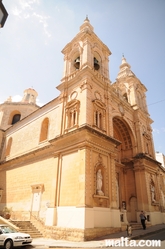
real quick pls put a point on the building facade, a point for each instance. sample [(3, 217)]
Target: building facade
[(84, 162)]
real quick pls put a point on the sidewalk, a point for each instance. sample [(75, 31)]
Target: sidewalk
[(99, 242)]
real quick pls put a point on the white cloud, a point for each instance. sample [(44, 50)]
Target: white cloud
[(156, 131), (27, 4), (43, 20), (26, 16), (16, 98), (16, 12), (163, 129), (39, 103), (28, 9)]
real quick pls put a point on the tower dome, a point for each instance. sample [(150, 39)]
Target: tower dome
[(30, 96)]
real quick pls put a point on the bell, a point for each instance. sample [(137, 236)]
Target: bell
[(77, 63), (96, 64)]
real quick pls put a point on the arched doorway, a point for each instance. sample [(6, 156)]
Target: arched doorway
[(123, 133), (125, 165)]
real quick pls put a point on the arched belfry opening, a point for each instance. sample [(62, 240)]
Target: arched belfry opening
[(96, 64), (77, 62), (75, 57), (96, 61), (123, 133), (86, 50)]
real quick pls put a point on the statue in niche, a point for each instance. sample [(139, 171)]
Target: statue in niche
[(153, 192), (99, 182)]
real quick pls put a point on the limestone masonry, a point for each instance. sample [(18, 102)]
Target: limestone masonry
[(83, 165)]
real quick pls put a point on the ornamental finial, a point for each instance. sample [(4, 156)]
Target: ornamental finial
[(86, 19)]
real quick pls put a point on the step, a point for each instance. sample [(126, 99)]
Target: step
[(27, 227), (136, 226)]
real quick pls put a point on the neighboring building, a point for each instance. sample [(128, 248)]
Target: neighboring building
[(160, 158), (83, 164)]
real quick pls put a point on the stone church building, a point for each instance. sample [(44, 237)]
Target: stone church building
[(85, 162)]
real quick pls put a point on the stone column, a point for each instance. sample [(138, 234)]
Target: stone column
[(133, 96), (65, 66), (86, 60)]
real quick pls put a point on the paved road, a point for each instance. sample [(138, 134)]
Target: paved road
[(156, 232), (146, 239), (157, 236)]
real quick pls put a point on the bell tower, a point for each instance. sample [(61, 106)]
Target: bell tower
[(130, 87), (132, 91), (85, 78), (86, 50)]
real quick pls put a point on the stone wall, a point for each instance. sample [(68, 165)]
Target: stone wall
[(72, 234), (78, 234)]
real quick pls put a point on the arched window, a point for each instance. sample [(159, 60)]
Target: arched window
[(99, 114), (98, 119), (74, 117), (8, 148), (16, 118), (44, 130), (72, 114)]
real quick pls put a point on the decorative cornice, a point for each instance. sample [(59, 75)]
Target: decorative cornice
[(89, 129), (38, 151), (146, 157)]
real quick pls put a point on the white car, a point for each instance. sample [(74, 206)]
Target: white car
[(10, 238)]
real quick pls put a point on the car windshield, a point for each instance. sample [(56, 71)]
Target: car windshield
[(6, 229)]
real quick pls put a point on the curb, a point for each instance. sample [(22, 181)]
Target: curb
[(100, 246), (92, 244), (149, 233)]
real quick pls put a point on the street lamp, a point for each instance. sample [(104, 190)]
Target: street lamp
[(3, 14)]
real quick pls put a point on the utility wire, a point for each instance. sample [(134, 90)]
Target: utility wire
[(157, 102)]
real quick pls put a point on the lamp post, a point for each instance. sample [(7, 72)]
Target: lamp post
[(3, 14)]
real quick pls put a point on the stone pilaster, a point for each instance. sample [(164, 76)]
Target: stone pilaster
[(112, 180), (141, 185)]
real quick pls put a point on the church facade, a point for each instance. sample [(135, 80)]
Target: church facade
[(84, 162)]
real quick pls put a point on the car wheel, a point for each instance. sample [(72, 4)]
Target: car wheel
[(9, 244)]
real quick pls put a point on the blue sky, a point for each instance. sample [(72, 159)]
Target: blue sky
[(37, 30)]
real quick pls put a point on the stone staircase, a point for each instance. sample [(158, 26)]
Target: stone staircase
[(27, 227), (137, 226)]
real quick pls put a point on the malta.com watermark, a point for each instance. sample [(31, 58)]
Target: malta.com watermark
[(132, 243)]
